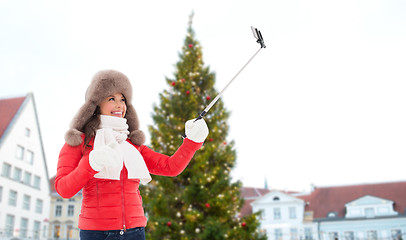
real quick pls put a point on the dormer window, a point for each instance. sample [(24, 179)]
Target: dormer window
[(332, 214), (369, 213), (276, 199)]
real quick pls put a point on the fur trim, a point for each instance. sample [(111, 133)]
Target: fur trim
[(104, 84), (73, 137), (137, 137)]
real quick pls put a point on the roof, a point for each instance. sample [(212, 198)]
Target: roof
[(9, 108), (324, 200), (250, 194)]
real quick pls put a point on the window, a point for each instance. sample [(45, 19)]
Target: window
[(30, 157), (369, 212), (6, 170), (9, 225), (17, 174), (349, 235), (58, 211), (69, 231), (37, 227), (372, 235), (396, 234), (27, 178), (292, 212), (20, 152), (27, 132), (261, 214), (71, 210), (332, 214), (26, 202), (23, 227), (276, 198), (12, 198), (278, 234), (38, 206), (308, 234), (276, 213), (1, 193), (333, 235), (57, 231), (37, 182), (293, 234)]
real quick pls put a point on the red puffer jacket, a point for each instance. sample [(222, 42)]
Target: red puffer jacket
[(113, 204)]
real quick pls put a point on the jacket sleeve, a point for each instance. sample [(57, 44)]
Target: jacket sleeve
[(160, 164), (73, 171)]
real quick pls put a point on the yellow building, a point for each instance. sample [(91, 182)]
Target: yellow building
[(64, 215)]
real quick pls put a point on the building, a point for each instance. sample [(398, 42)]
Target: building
[(366, 211), (24, 184), (64, 215), (375, 211)]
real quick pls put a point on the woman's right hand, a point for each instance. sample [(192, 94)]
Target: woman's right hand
[(104, 156)]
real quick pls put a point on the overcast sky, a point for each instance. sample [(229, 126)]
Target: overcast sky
[(323, 104)]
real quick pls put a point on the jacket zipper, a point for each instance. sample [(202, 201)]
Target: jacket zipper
[(122, 201)]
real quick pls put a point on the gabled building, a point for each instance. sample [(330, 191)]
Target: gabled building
[(24, 184), (365, 211), (355, 212)]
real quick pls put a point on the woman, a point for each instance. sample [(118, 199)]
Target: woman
[(104, 156)]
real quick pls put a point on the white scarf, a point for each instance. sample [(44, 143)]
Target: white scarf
[(116, 129)]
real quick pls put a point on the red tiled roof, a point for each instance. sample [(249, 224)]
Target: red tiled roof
[(8, 109), (333, 199), (52, 185), (250, 194)]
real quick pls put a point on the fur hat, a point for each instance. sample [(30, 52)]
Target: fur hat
[(104, 84)]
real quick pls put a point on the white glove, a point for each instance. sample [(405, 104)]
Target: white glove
[(105, 156), (196, 131)]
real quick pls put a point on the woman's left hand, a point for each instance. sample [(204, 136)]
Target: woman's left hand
[(196, 131)]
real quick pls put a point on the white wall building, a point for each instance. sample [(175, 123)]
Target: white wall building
[(283, 217), (374, 211), (24, 180)]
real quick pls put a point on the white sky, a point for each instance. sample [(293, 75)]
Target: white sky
[(324, 103)]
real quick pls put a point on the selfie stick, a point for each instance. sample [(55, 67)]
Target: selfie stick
[(260, 40)]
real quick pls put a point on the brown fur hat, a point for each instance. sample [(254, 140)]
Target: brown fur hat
[(104, 84)]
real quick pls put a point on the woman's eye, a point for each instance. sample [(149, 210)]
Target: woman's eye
[(111, 99)]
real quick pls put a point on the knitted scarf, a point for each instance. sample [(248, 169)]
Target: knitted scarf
[(116, 129)]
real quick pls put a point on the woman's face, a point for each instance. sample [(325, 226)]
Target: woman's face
[(113, 105)]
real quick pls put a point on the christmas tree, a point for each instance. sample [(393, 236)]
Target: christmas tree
[(202, 202)]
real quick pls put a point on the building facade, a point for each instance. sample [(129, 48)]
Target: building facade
[(375, 211), (24, 180), (64, 215)]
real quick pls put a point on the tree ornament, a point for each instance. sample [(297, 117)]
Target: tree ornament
[(178, 214), (182, 80), (187, 92), (169, 224), (197, 230), (208, 98), (207, 205), (243, 224), (173, 83), (190, 45), (211, 139)]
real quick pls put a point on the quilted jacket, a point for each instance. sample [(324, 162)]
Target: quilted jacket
[(113, 204)]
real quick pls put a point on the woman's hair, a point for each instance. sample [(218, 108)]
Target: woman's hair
[(92, 124), (90, 127)]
